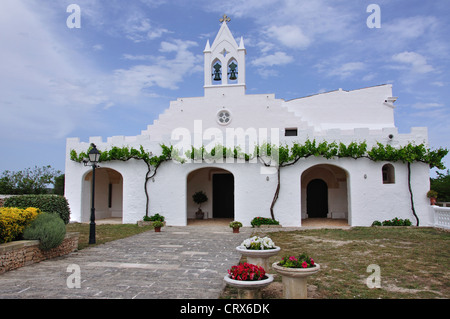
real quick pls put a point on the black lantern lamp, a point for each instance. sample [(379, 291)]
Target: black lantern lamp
[(94, 158)]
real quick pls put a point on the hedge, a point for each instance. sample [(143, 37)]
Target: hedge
[(13, 222), (53, 204), (49, 229)]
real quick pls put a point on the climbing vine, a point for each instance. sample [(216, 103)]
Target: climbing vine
[(278, 156)]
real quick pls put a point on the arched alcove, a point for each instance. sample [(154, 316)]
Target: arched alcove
[(108, 194), (324, 192), (218, 185)]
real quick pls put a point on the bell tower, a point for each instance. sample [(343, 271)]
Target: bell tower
[(224, 60)]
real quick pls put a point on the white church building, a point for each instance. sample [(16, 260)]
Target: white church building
[(358, 191)]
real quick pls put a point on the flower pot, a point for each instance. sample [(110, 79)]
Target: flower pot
[(294, 280), (257, 256), (249, 289), (235, 230), (432, 201), (157, 229), (199, 214)]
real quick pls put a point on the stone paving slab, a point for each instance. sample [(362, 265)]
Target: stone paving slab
[(177, 263)]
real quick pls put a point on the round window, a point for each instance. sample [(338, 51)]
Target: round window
[(224, 117)]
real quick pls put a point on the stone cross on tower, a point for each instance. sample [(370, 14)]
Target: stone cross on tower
[(225, 19), (224, 61)]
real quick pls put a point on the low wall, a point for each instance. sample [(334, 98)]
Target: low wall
[(21, 253), (440, 216)]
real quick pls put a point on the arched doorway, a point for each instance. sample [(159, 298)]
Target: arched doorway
[(218, 185), (317, 199), (108, 194), (324, 192)]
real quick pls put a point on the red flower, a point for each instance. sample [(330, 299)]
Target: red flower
[(246, 271), (304, 264), (312, 261)]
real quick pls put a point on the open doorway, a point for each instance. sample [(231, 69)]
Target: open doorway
[(218, 185)]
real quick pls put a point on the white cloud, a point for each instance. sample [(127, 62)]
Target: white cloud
[(413, 61), (438, 84), (426, 106), (289, 35), (164, 72), (409, 28), (139, 29), (265, 63), (278, 58), (343, 70), (46, 86)]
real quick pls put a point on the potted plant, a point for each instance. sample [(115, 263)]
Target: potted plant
[(432, 195), (248, 279), (294, 271), (264, 222), (258, 250), (199, 198), (149, 220), (157, 225), (235, 225)]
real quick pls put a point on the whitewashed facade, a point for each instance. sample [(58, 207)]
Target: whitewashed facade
[(344, 188)]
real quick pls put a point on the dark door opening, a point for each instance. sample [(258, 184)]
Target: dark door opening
[(223, 196), (317, 199)]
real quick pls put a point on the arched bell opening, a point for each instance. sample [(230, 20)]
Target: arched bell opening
[(216, 68), (232, 71)]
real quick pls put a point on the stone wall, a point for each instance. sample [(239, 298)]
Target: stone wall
[(22, 253)]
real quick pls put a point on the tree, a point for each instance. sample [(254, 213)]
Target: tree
[(59, 185), (28, 181), (441, 184)]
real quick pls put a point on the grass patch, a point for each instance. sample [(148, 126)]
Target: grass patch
[(105, 233), (414, 262)]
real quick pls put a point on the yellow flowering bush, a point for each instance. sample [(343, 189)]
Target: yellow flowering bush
[(13, 222)]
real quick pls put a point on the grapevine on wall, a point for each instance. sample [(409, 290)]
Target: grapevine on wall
[(278, 156)]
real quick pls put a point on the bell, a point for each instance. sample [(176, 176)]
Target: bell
[(217, 72), (217, 76), (233, 72)]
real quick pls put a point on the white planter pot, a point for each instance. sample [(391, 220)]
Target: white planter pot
[(258, 257), (294, 280), (249, 289)]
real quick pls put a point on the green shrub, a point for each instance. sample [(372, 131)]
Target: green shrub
[(13, 222), (54, 204), (258, 221), (376, 223), (394, 222), (49, 229), (157, 217)]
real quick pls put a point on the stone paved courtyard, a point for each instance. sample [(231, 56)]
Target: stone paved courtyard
[(180, 262)]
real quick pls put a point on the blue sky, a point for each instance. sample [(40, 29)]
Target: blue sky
[(118, 72)]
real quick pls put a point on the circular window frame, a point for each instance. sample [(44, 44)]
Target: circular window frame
[(219, 117)]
